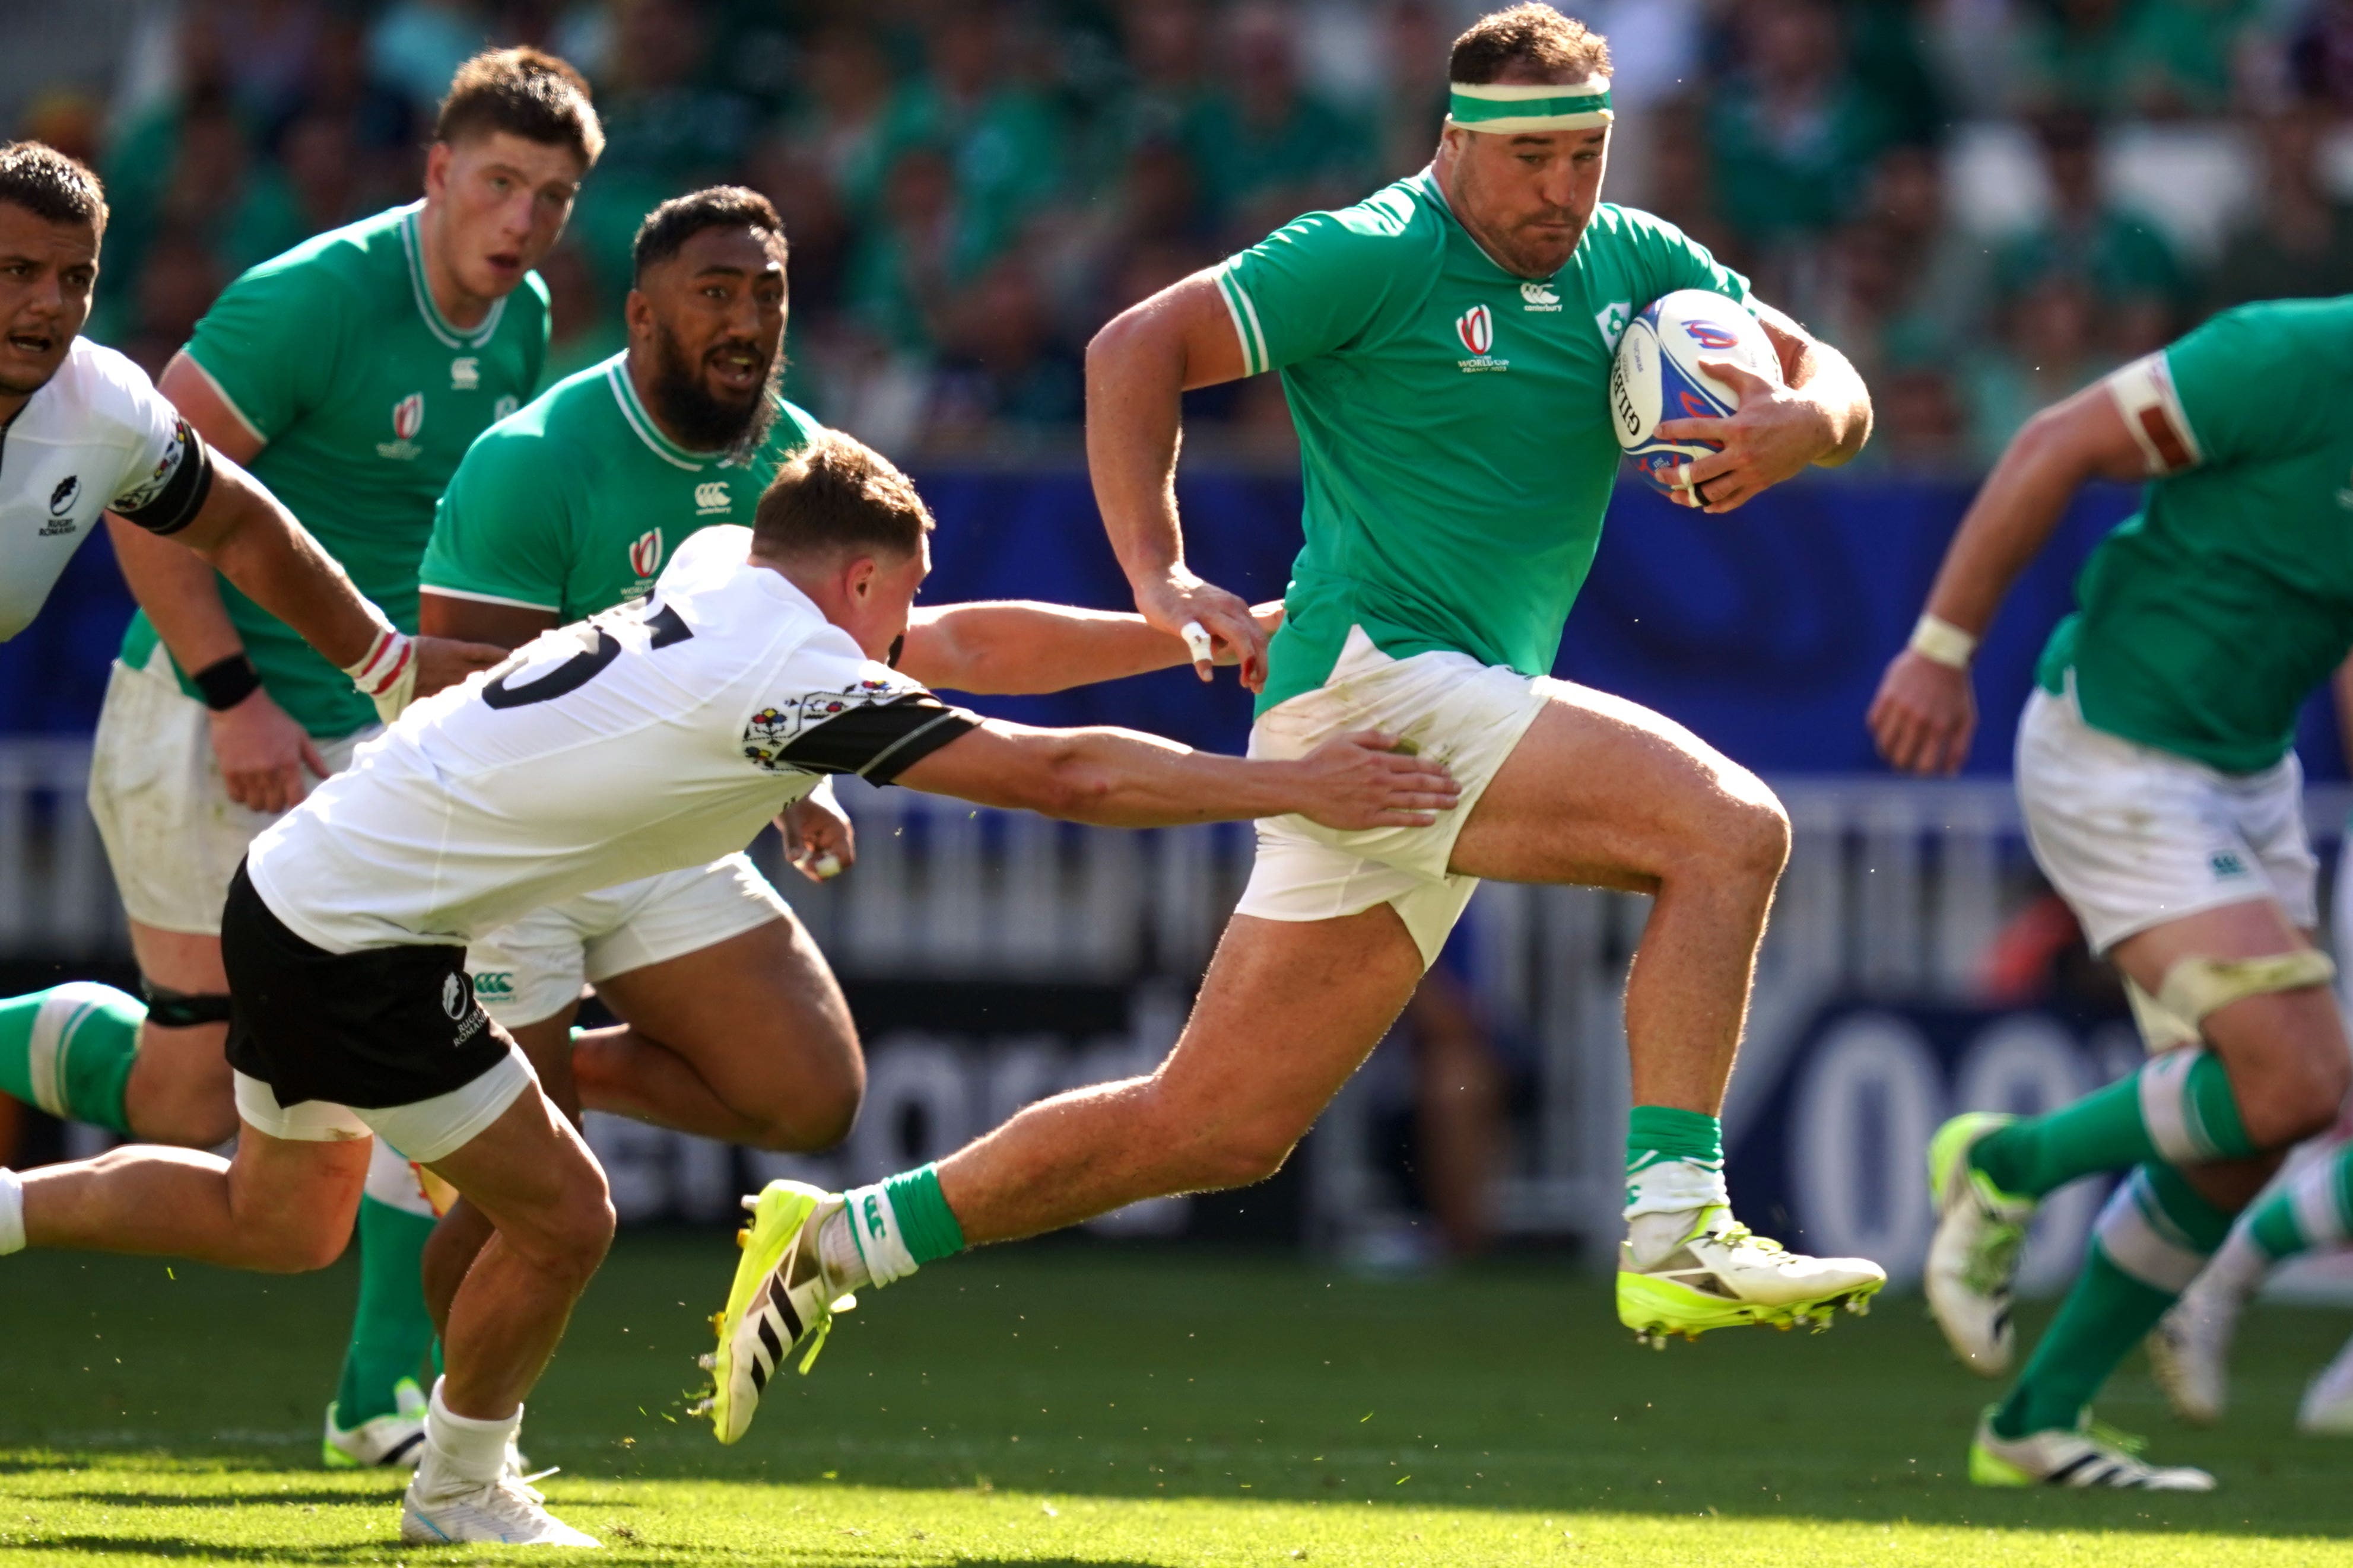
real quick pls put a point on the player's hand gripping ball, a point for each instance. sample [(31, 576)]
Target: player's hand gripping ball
[(1656, 376)]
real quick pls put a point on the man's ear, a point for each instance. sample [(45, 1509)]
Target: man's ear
[(437, 169), (859, 578), (638, 313)]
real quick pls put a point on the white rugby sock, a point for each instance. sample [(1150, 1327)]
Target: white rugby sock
[(880, 1247), (837, 1249), (1664, 1201), (12, 1212), (470, 1449)]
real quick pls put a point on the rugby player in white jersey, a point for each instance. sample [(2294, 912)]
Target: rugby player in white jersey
[(655, 736), (83, 432)]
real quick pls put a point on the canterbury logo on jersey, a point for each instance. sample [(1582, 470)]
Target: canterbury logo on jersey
[(1538, 296), (494, 982), (711, 495), (465, 374)]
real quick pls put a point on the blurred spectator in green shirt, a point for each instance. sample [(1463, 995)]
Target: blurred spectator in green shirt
[(2298, 244), (1792, 132), (2143, 291), (1266, 149)]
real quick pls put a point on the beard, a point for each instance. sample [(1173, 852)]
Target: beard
[(701, 422)]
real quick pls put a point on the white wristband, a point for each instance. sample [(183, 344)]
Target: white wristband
[(387, 674), (1941, 642)]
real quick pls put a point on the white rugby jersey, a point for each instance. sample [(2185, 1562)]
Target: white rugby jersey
[(96, 437), (655, 736)]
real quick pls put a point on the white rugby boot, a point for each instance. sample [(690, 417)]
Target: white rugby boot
[(2189, 1349), (442, 1506), (2090, 1455), (782, 1303), (1723, 1275), (1973, 1257), (392, 1440), (2326, 1408)]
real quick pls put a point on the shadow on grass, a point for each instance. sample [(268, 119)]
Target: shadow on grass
[(1177, 1374)]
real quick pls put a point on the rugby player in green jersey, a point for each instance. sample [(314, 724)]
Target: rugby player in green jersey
[(1445, 347), (351, 374), (733, 1026), (2163, 801)]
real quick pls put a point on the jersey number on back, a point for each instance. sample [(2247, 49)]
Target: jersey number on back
[(601, 648)]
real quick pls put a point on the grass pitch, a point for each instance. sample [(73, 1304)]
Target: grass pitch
[(1068, 1405)]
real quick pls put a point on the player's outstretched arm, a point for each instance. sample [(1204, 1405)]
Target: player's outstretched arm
[(1013, 648), (1925, 713), (1118, 778), (1138, 369), (250, 538), (1819, 417)]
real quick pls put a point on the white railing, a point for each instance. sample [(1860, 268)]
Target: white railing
[(1894, 888)]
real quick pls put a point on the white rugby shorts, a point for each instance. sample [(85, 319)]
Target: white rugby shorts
[(425, 1131), (1450, 707), (172, 833), (535, 967), (2133, 837)]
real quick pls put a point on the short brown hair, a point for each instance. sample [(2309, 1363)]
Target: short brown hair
[(1531, 35), (840, 495), (48, 185), (524, 91)]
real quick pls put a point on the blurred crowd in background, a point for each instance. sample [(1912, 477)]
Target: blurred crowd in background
[(1987, 203)]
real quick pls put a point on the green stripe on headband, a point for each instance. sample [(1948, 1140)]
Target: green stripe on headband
[(1512, 110)]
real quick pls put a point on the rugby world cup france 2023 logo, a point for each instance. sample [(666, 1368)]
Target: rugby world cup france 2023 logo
[(407, 419), (645, 554), (1476, 329)]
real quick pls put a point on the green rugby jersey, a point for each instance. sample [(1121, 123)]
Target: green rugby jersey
[(335, 355), (2207, 617), (573, 504), (1454, 421)]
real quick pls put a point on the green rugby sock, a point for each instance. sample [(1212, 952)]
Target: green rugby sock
[(1675, 1160), (391, 1330), (2151, 1239), (2314, 1207), (2177, 1107), (69, 1049)]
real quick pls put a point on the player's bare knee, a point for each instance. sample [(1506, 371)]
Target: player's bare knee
[(1746, 836), (817, 1115), (292, 1243), (2293, 1098)]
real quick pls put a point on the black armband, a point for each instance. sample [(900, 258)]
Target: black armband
[(228, 682), (878, 740), (169, 498)]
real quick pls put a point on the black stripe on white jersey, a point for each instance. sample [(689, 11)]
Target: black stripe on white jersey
[(878, 740)]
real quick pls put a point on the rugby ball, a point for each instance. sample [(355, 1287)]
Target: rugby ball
[(1656, 376)]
